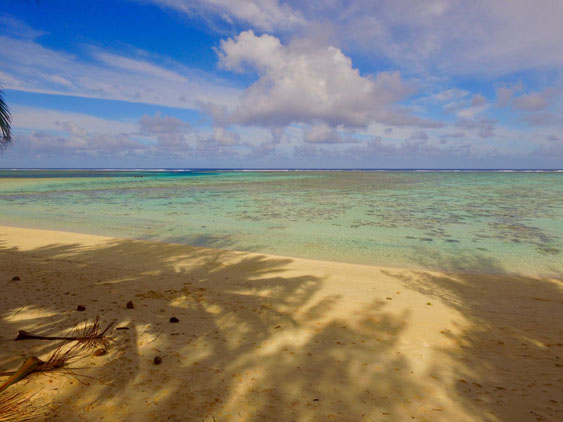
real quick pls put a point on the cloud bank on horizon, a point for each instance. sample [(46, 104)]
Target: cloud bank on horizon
[(272, 83)]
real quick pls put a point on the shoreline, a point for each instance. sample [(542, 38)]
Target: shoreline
[(411, 267), (265, 337)]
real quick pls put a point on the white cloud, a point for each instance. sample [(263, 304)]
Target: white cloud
[(305, 83), (170, 132), (535, 101), (32, 118), (18, 28), (448, 95), (158, 125), (265, 15), (505, 93), (483, 126), (139, 67), (322, 134), (78, 142), (223, 137), (419, 135), (537, 108), (478, 100), (28, 66), (454, 36)]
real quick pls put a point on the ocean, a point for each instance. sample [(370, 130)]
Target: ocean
[(478, 221)]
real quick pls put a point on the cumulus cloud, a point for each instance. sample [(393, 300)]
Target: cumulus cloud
[(553, 150), (543, 119), (454, 135), (535, 101), (79, 143), (220, 144), (483, 126), (444, 96), (478, 100), (223, 137), (505, 93), (537, 108), (322, 134), (305, 83), (169, 131), (453, 36), (419, 135)]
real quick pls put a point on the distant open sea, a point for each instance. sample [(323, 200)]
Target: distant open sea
[(455, 220)]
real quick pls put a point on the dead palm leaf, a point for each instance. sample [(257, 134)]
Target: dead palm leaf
[(19, 407), (89, 335), (60, 359)]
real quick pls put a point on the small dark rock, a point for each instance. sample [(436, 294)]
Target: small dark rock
[(16, 278), (100, 352), (130, 305), (174, 319), (81, 308), (121, 328), (157, 360)]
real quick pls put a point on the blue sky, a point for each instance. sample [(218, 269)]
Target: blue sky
[(274, 84)]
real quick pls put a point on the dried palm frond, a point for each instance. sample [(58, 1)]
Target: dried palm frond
[(89, 335), (31, 364), (58, 360), (61, 357), (19, 407)]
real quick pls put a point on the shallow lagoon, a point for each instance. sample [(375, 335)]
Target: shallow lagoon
[(474, 221)]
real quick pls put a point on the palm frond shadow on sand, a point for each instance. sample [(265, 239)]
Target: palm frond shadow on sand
[(255, 341)]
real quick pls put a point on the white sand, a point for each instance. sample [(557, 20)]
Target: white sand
[(267, 338)]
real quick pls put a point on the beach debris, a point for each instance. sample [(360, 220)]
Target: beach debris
[(81, 308), (18, 407), (30, 365), (58, 360), (121, 328), (157, 360), (130, 305), (100, 352), (88, 336), (16, 278), (174, 319)]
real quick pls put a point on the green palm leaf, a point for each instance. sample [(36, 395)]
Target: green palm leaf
[(5, 122)]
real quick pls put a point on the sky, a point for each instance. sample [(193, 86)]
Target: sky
[(283, 84)]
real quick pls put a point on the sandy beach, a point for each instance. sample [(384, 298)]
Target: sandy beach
[(269, 338)]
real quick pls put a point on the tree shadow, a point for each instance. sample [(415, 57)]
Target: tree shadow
[(261, 339), (255, 339), (508, 358)]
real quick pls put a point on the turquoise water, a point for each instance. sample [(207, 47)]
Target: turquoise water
[(482, 221)]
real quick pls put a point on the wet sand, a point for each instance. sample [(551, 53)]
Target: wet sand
[(269, 338)]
